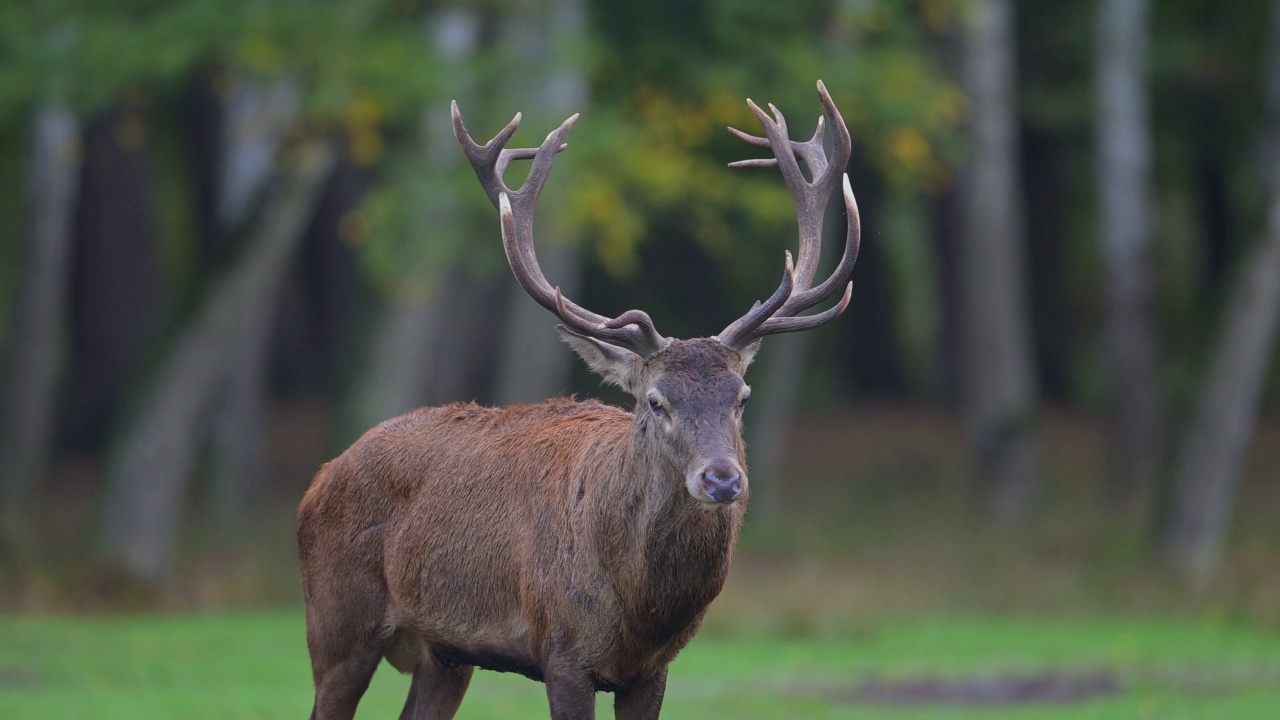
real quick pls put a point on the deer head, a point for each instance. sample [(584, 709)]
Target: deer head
[(689, 394)]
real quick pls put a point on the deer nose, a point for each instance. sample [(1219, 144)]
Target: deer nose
[(722, 483)]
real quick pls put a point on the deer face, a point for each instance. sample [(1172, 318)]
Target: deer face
[(689, 403)]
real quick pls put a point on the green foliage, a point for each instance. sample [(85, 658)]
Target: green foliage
[(647, 164), (256, 667), (91, 53), (421, 219), (666, 78)]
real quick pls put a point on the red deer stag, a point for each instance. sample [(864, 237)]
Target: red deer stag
[(575, 543)]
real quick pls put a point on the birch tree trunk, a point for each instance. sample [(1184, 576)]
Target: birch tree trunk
[(254, 119), (1124, 180), (1211, 455), (412, 333), (541, 36), (151, 468), (28, 412), (999, 387)]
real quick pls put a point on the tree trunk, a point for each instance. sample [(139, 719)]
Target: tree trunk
[(1212, 454), (1124, 178), (150, 470), (411, 332), (255, 116), (1000, 390), (769, 420), (117, 300), (254, 119), (399, 364), (533, 364), (421, 349), (28, 413), (238, 448), (946, 222)]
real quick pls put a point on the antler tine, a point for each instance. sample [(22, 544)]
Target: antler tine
[(824, 184), (810, 152), (637, 333), (485, 158), (489, 162), (802, 301), (634, 329), (810, 199), (643, 322), (784, 319), (760, 312), (775, 324)]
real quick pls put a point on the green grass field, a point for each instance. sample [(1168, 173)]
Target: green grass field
[(255, 666)]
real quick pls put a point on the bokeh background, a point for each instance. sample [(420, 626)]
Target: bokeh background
[(234, 234)]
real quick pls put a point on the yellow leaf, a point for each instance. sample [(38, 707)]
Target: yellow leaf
[(910, 148)]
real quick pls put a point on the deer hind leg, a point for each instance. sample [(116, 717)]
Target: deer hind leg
[(341, 684), (436, 692), (347, 637)]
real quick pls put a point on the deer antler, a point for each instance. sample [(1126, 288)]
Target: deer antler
[(632, 329), (810, 200)]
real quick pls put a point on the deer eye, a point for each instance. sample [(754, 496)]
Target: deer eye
[(656, 406), (742, 404)]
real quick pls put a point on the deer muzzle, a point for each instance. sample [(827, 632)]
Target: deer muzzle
[(722, 482)]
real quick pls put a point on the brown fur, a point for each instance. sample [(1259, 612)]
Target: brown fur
[(559, 540)]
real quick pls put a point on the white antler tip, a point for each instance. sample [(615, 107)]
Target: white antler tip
[(504, 204), (849, 200)]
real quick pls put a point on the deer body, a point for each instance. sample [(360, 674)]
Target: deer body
[(564, 542), (572, 542)]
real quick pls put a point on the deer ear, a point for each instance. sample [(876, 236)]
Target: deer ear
[(617, 365)]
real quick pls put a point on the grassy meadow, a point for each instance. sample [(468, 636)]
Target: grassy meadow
[(255, 666)]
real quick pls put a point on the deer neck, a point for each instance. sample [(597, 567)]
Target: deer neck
[(669, 547)]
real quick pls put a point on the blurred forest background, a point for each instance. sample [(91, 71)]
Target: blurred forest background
[(238, 233)]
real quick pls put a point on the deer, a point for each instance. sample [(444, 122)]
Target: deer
[(576, 543)]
